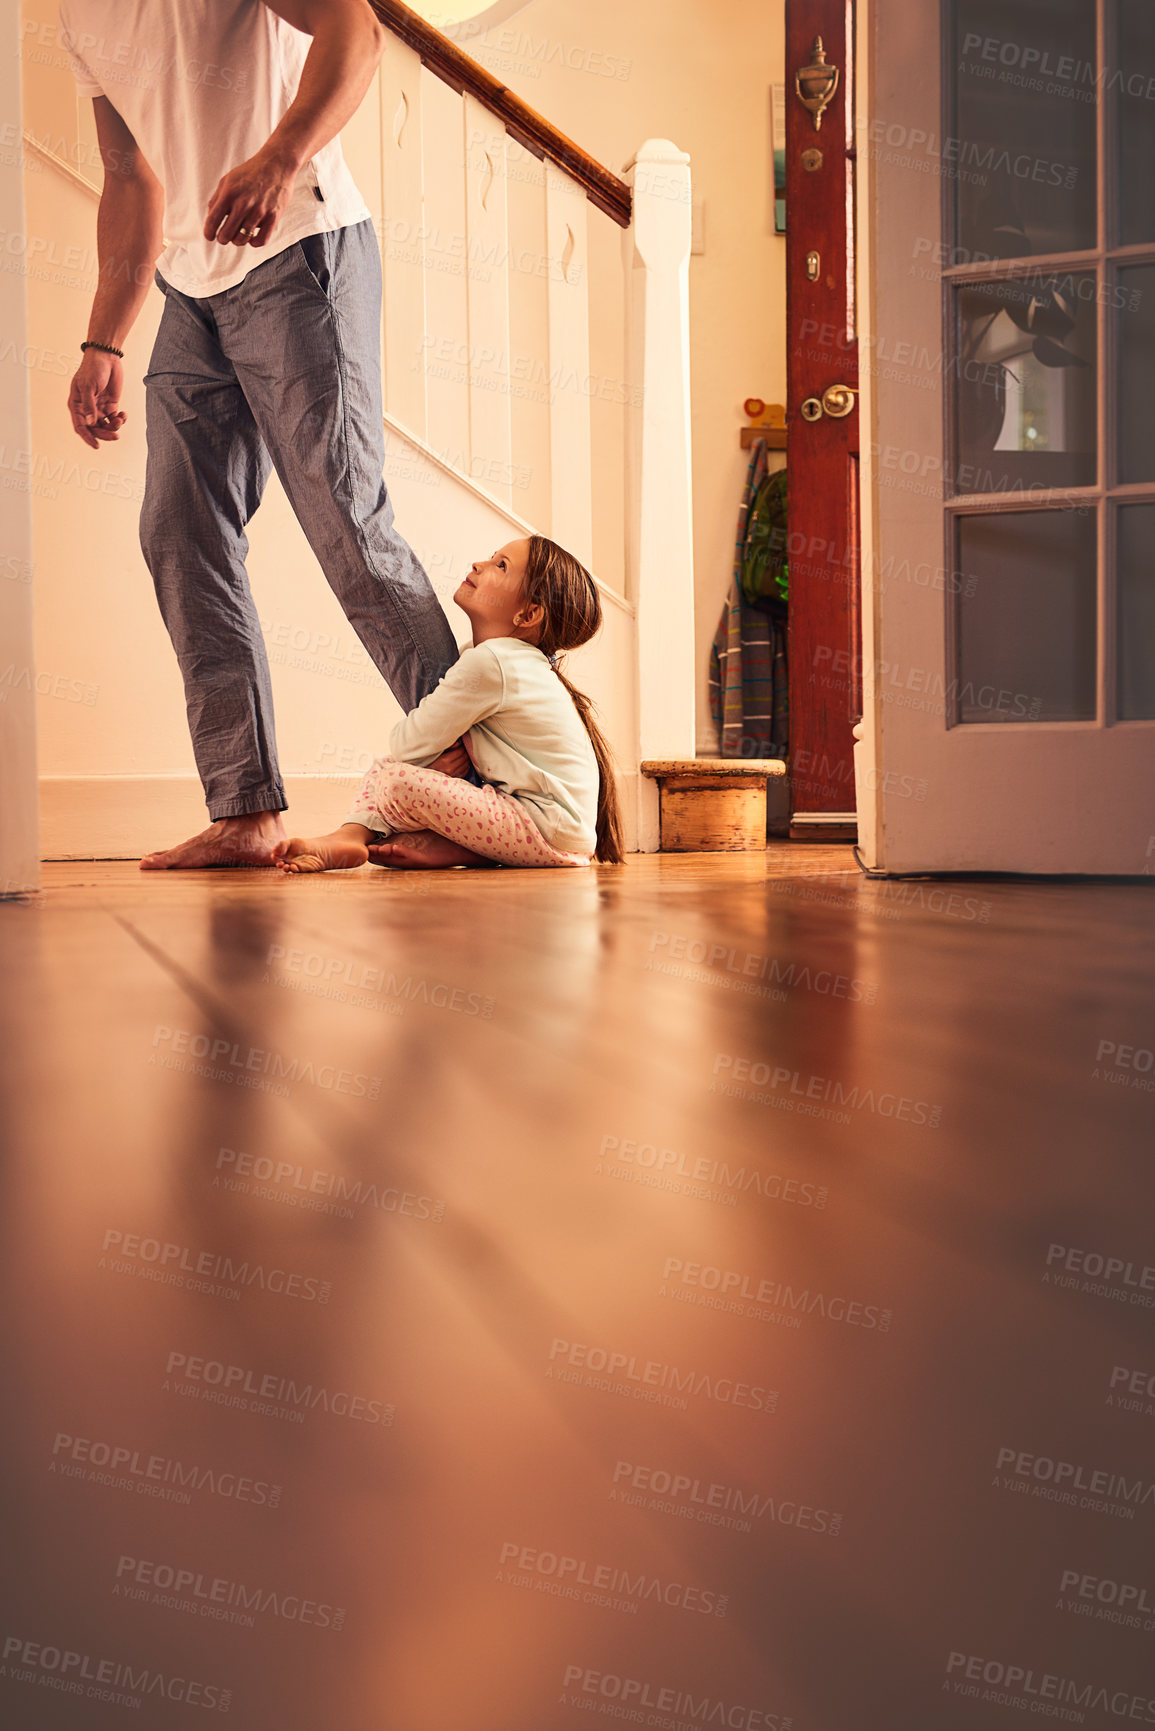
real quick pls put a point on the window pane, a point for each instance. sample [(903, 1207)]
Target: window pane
[(1135, 575), (1024, 386), (1026, 616), (1023, 158), (1137, 370), (1135, 88)]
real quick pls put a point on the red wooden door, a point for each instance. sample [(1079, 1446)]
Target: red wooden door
[(822, 352)]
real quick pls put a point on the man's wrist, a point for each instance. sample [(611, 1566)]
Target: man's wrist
[(286, 156)]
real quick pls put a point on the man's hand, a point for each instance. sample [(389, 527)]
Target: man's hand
[(347, 44), (456, 761), (129, 237), (250, 200), (94, 396)]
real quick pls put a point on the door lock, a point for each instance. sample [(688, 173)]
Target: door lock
[(811, 409)]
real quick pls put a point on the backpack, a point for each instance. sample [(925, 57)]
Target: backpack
[(765, 568)]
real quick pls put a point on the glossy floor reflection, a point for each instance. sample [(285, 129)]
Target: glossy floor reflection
[(713, 1293)]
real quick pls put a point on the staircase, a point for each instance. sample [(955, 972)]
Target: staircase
[(536, 355)]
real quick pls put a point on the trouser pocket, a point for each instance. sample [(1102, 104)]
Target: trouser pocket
[(315, 252)]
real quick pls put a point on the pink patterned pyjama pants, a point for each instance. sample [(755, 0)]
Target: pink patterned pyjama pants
[(399, 797)]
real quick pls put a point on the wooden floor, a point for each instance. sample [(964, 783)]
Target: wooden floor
[(719, 1291)]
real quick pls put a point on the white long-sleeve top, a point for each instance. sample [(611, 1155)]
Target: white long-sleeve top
[(524, 735)]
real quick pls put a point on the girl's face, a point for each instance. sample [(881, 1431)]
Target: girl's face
[(491, 594)]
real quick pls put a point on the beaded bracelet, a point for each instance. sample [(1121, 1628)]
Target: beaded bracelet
[(105, 348)]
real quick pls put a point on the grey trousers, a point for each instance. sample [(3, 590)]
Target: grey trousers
[(283, 371)]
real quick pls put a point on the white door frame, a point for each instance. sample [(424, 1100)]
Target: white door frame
[(19, 828), (1040, 797)]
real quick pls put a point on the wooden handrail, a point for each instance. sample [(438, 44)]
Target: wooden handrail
[(62, 167), (522, 122)]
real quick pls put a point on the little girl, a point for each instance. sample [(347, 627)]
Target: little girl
[(549, 796)]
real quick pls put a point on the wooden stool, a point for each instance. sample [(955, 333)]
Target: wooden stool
[(713, 804)]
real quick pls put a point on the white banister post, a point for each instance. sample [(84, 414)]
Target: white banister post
[(659, 513)]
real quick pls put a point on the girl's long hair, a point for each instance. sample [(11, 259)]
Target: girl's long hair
[(569, 599)]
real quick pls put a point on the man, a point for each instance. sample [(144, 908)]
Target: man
[(218, 119)]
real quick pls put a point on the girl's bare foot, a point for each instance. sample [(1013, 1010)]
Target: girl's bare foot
[(424, 850), (341, 851)]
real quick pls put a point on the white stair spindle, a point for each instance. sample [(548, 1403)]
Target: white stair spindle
[(487, 283), (569, 364), (444, 247), (402, 182)]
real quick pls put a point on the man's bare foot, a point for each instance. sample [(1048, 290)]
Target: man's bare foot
[(231, 841), (341, 851), (424, 850)]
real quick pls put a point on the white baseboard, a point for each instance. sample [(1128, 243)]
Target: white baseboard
[(628, 782), (125, 816), (645, 808)]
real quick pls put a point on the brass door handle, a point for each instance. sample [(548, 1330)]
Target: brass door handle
[(835, 401), (838, 400)]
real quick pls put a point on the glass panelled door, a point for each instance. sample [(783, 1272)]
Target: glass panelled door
[(1008, 224), (1049, 284)]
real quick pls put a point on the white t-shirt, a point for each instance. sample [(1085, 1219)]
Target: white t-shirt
[(525, 736), (201, 84)]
